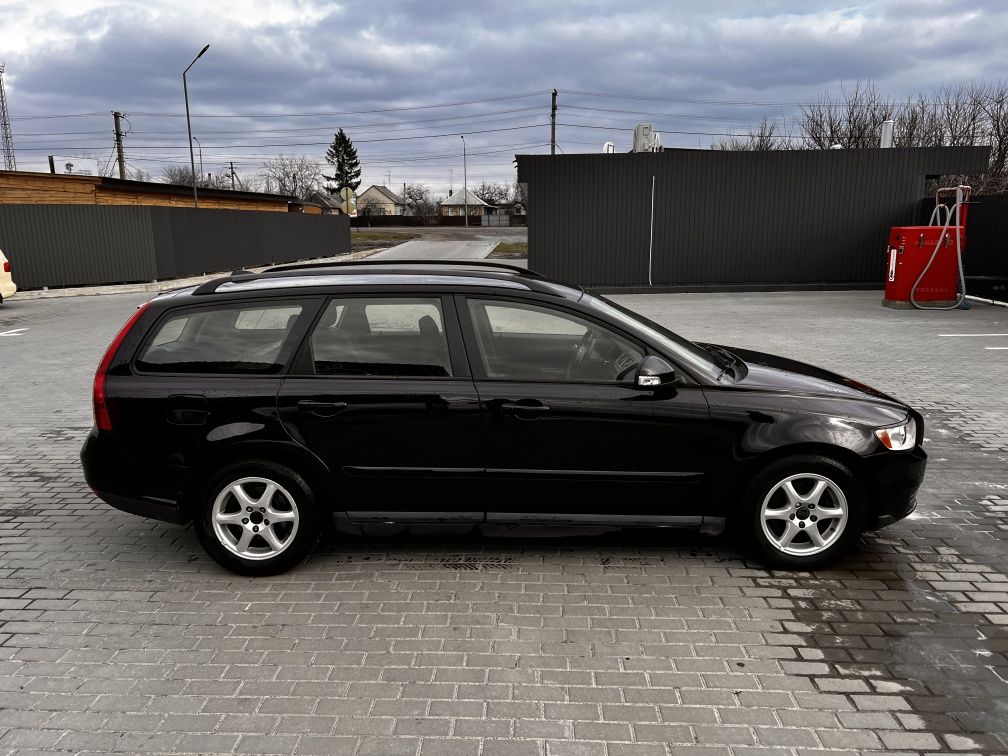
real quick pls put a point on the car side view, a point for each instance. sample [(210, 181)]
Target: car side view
[(261, 407)]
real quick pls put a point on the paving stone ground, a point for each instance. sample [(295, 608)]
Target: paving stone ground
[(118, 635)]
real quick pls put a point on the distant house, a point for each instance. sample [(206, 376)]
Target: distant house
[(456, 204), (326, 204), (380, 200)]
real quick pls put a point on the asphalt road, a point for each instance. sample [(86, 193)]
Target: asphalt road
[(429, 249), (118, 635)]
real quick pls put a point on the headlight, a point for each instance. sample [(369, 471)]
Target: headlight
[(899, 437)]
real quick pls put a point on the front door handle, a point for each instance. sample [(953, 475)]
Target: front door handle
[(524, 411), (321, 409)]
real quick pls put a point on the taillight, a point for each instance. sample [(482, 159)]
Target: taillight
[(6, 266), (101, 414)]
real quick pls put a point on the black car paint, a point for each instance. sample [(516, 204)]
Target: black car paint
[(383, 447)]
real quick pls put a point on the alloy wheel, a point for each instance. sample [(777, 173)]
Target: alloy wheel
[(804, 514), (255, 518)]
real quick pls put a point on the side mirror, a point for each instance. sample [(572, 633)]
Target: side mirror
[(655, 372)]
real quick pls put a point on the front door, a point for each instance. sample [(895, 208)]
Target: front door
[(570, 436), (382, 394)]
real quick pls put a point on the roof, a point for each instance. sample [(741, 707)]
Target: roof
[(396, 273), (153, 187), (385, 192), (323, 198), (459, 199)]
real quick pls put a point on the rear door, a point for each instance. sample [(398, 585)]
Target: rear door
[(382, 394)]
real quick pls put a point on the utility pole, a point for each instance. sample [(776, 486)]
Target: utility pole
[(5, 130), (465, 181), (231, 163), (116, 115), (553, 125)]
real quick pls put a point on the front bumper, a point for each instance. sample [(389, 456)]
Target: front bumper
[(140, 488), (893, 479)]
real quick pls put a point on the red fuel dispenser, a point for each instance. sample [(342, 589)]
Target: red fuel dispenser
[(924, 263)]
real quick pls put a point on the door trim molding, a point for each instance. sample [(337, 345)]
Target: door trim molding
[(596, 474)]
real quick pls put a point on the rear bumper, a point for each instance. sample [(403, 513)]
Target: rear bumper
[(140, 488), (893, 480)]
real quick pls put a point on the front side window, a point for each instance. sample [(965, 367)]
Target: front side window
[(403, 337), (247, 339), (525, 342)]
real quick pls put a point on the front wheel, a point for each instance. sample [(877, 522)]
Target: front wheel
[(257, 518), (804, 511)]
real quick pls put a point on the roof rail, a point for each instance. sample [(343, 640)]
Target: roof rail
[(239, 276), (395, 263)]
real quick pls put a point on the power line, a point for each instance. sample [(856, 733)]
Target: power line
[(517, 96), (620, 96), (316, 144), (684, 116)]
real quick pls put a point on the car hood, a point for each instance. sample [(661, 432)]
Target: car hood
[(771, 372)]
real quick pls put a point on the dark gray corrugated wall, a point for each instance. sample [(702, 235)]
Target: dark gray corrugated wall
[(726, 219), (79, 245)]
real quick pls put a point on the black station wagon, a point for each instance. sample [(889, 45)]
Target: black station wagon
[(264, 406)]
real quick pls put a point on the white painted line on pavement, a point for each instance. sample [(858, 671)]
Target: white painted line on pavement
[(973, 334), (995, 347), (14, 332)]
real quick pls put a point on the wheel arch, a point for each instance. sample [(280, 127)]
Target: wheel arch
[(315, 473), (850, 459)]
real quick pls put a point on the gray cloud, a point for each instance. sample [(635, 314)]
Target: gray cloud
[(319, 57)]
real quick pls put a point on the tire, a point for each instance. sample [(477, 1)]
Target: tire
[(232, 518), (778, 523)]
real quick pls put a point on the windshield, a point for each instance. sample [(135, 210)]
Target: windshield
[(686, 352)]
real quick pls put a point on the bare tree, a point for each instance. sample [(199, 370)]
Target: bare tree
[(519, 194), (370, 208), (293, 175), (419, 202), (138, 174), (996, 112), (854, 120), (183, 176), (764, 137), (493, 193)]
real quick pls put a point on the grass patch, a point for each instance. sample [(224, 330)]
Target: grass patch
[(362, 238), (510, 249)]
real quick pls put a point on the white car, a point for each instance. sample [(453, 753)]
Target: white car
[(7, 286)]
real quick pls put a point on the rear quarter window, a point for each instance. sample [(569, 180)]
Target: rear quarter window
[(227, 339)]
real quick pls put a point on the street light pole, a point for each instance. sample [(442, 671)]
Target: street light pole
[(192, 157), (199, 145), (465, 181)]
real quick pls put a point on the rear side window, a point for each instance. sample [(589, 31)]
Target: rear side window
[(223, 340), (381, 337)]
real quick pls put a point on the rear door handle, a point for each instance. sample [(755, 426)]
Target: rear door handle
[(524, 411), (321, 409)]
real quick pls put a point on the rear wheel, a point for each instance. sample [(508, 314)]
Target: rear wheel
[(258, 518), (804, 511)]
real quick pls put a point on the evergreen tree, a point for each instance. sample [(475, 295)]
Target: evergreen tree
[(342, 155)]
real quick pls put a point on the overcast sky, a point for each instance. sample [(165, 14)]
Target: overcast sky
[(694, 69)]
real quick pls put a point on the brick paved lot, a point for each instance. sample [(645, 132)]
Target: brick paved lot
[(118, 635)]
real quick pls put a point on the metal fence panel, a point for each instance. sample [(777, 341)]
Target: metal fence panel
[(726, 219), (77, 245)]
